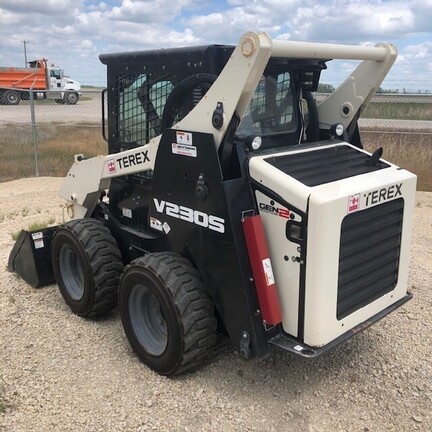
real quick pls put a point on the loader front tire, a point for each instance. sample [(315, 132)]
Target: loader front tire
[(167, 314), (87, 266)]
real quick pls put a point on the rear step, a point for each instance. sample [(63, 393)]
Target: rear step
[(30, 257), (288, 343)]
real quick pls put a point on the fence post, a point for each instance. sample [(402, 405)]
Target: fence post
[(34, 136)]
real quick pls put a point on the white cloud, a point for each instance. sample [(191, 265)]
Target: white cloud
[(46, 7), (78, 29), (147, 11), (86, 44)]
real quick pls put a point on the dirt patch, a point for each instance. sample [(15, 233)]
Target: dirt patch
[(62, 372)]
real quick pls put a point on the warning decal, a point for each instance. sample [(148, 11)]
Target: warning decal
[(184, 138), (38, 240), (268, 271), (156, 224), (184, 150)]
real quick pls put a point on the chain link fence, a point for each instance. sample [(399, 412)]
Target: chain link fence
[(41, 137)]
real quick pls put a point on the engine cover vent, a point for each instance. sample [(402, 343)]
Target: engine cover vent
[(330, 164), (369, 255)]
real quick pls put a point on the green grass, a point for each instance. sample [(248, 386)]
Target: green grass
[(398, 110), (35, 226), (57, 145)]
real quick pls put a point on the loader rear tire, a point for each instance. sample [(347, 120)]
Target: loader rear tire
[(167, 314), (87, 266)]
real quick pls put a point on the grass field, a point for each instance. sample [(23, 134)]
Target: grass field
[(407, 150), (58, 144), (51, 101), (399, 110)]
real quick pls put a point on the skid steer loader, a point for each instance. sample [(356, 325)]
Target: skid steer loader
[(231, 199)]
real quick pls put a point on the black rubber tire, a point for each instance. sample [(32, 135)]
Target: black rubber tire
[(71, 98), (186, 332), (87, 266), (11, 97)]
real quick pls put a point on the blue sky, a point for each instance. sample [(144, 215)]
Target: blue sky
[(72, 33)]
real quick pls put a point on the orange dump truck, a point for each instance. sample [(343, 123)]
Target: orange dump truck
[(48, 82)]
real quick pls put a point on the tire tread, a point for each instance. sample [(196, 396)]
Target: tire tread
[(105, 260), (194, 306)]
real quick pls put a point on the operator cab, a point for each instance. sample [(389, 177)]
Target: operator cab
[(150, 91)]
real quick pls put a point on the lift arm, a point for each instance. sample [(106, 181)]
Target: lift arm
[(231, 93)]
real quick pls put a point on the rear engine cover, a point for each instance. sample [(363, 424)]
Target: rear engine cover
[(339, 232)]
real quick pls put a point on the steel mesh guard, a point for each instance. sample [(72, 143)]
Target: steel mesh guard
[(140, 100)]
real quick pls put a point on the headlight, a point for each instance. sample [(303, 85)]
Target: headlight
[(256, 143), (337, 130)]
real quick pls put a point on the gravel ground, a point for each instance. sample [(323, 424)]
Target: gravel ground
[(62, 372)]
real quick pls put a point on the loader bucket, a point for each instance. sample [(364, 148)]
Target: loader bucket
[(30, 257)]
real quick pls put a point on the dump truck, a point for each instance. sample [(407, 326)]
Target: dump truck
[(47, 82), (231, 201)]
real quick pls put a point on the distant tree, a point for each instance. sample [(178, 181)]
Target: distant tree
[(382, 90), (325, 88)]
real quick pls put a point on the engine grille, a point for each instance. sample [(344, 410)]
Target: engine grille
[(369, 255), (327, 165)]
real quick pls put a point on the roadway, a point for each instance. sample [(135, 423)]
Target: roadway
[(88, 111)]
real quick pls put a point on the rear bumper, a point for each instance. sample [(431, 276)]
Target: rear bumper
[(288, 343)]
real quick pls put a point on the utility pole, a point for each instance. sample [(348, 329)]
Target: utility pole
[(25, 51)]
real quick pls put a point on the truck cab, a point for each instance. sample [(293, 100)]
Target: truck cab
[(58, 80)]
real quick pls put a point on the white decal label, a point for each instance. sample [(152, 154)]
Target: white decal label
[(166, 228), (38, 244), (127, 212), (184, 150), (156, 224), (298, 348), (268, 271), (37, 235), (184, 138), (187, 214)]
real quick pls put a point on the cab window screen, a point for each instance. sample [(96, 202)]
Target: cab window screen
[(271, 108), (140, 100)]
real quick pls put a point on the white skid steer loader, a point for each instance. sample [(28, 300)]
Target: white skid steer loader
[(231, 199)]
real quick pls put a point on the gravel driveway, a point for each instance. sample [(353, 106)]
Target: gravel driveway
[(59, 372)]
